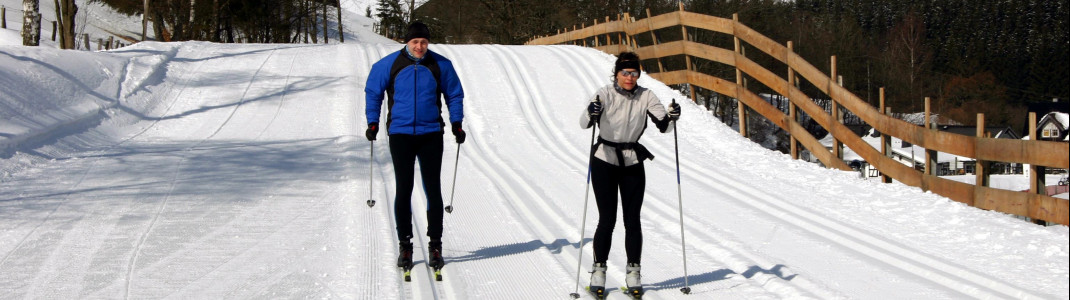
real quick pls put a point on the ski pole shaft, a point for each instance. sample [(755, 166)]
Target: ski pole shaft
[(449, 208), (371, 176), (680, 201), (583, 224)]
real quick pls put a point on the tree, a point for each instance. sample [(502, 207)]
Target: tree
[(31, 23), (65, 12), (392, 22), (907, 58)]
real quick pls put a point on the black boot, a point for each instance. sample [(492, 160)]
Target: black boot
[(435, 250), (405, 256)]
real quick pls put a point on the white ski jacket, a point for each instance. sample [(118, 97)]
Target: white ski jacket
[(623, 121)]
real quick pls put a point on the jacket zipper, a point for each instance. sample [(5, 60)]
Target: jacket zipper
[(415, 95)]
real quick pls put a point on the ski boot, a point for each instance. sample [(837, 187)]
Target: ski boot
[(635, 286), (435, 260), (405, 259), (598, 281)]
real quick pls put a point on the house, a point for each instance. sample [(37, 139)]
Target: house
[(1053, 127)]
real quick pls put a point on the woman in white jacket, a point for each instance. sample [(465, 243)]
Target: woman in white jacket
[(621, 110)]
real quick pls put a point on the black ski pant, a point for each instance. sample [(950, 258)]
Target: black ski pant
[(607, 179), (405, 150)]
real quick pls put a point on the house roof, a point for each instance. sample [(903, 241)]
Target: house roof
[(999, 132), (1060, 119)]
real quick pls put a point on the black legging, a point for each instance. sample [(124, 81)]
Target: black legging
[(607, 179), (405, 149)]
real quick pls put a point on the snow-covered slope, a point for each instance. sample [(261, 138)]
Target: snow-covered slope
[(240, 171)]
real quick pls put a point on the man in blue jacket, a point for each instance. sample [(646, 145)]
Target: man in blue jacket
[(414, 80)]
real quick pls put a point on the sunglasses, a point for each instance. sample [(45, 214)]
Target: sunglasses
[(630, 73)]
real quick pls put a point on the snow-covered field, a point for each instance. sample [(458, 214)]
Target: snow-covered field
[(199, 170)]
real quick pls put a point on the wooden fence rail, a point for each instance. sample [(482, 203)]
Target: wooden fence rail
[(622, 35)]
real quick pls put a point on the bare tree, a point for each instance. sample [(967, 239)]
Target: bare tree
[(65, 12), (31, 23)]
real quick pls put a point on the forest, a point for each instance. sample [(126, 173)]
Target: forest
[(978, 56), (234, 21)]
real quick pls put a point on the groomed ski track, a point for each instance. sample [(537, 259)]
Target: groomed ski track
[(241, 171)]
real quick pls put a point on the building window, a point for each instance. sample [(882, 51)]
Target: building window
[(1050, 133)]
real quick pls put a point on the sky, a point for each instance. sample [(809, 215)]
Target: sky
[(200, 170)]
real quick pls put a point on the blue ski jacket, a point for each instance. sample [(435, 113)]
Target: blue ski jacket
[(414, 88)]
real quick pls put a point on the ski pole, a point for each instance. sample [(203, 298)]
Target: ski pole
[(371, 176), (449, 208), (680, 198), (586, 194)]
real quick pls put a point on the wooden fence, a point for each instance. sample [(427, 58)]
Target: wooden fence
[(621, 35)]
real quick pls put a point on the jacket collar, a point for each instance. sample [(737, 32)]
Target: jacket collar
[(626, 93), (413, 58)]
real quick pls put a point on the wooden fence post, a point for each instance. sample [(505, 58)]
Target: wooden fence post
[(1037, 182), (687, 56), (980, 167), (108, 45), (931, 156), (3, 16), (834, 109), (85, 40), (886, 141), (792, 109), (740, 107), (654, 38), (100, 44), (53, 31)]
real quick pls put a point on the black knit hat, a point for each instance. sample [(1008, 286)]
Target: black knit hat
[(626, 60), (417, 30)]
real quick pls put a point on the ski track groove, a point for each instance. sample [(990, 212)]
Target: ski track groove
[(132, 262), (865, 244), (506, 179), (878, 248), (385, 217), (282, 99), (375, 221)]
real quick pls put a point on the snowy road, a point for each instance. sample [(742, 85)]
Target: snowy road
[(241, 171)]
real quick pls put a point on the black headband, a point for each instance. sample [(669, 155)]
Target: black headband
[(627, 64)]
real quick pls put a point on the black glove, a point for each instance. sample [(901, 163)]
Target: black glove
[(373, 129), (674, 111), (458, 132), (594, 110)]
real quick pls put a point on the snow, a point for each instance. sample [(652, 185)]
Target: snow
[(201, 170)]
